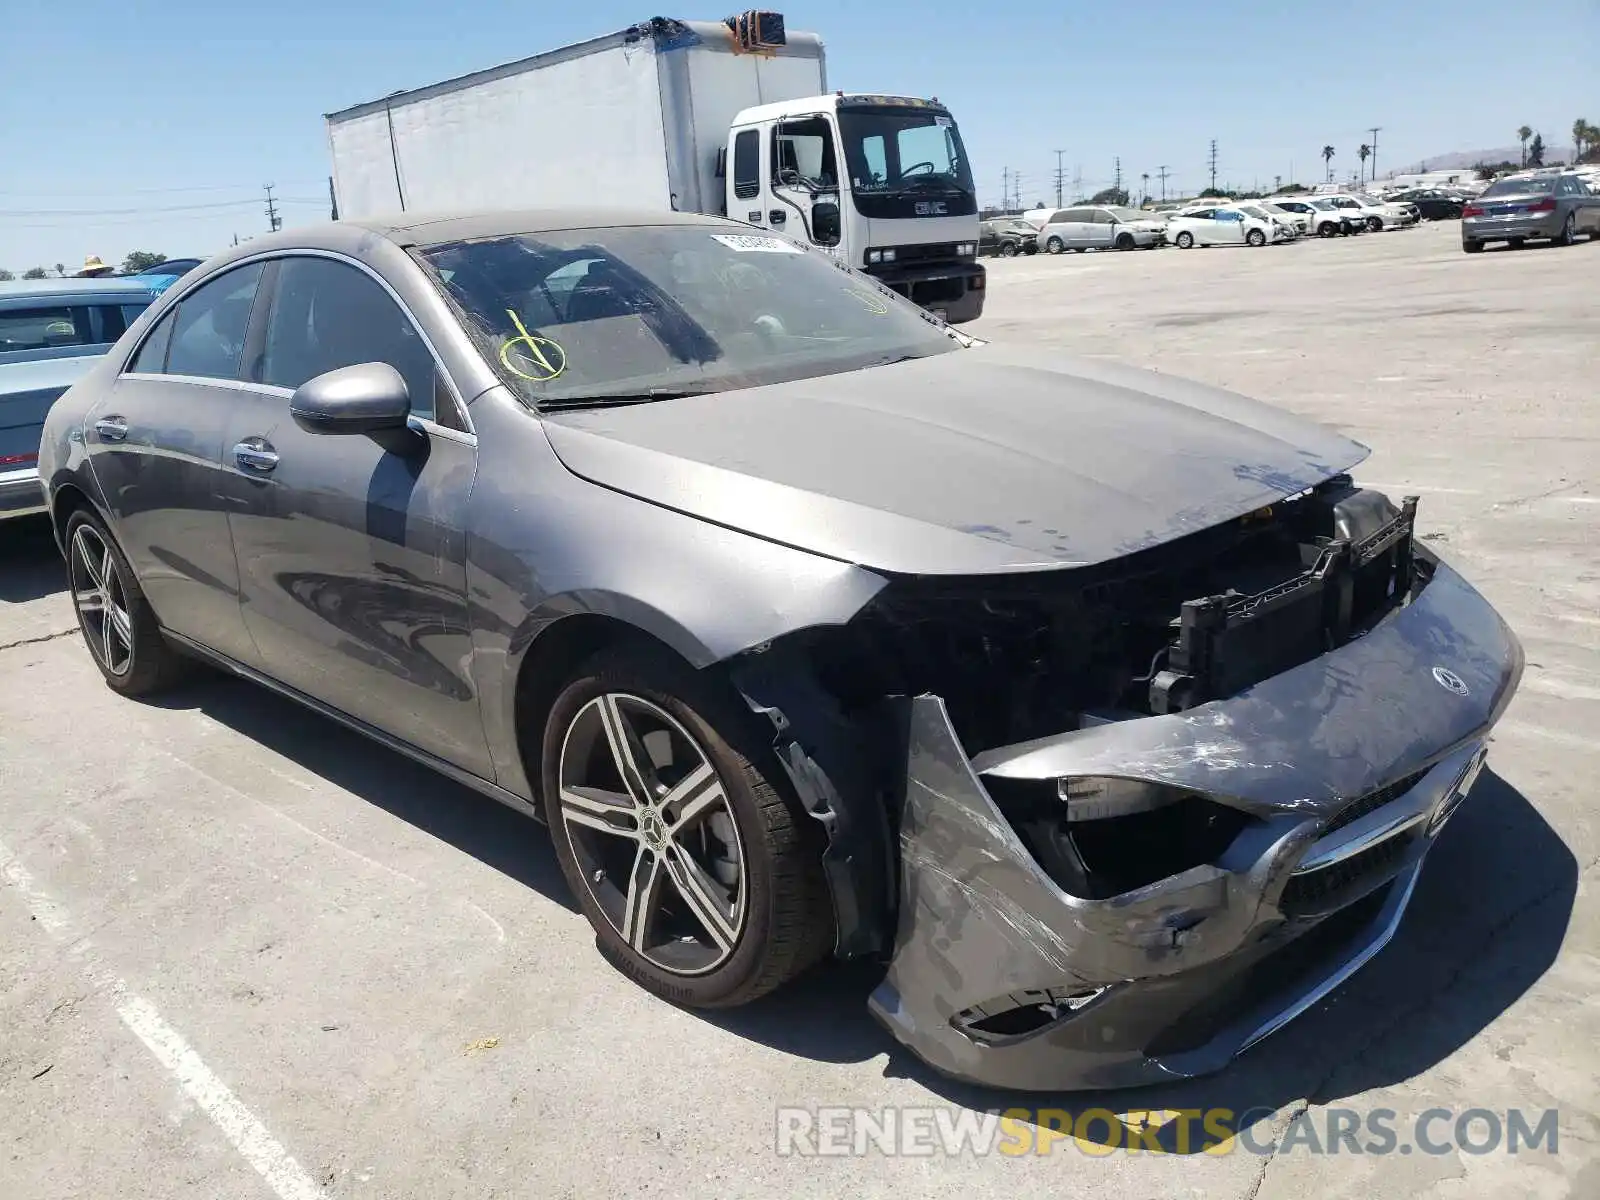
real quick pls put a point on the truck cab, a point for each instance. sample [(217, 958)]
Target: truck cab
[(880, 182)]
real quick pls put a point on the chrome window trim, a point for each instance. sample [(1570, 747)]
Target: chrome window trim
[(278, 255)]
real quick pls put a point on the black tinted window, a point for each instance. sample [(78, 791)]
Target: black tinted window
[(152, 356), (43, 328), (746, 164), (208, 333), (327, 315)]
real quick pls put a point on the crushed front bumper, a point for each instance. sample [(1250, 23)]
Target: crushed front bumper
[(1349, 765)]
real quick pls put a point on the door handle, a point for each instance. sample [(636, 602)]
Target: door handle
[(255, 454), (112, 429), (776, 216)]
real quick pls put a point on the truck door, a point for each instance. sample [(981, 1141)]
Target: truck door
[(801, 180)]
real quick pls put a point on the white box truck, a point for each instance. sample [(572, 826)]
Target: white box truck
[(732, 118)]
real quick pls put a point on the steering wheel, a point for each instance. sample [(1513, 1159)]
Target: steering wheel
[(915, 167)]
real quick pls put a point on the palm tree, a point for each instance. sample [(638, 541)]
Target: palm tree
[(61, 270), (1364, 153), (1523, 134), (1591, 139), (1327, 157), (1580, 134)]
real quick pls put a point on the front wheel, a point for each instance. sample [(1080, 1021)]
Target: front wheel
[(1375, 224), (1125, 241), (1008, 249), (1327, 229), (1256, 238), (702, 883), (1184, 241), (118, 625), (1053, 245)]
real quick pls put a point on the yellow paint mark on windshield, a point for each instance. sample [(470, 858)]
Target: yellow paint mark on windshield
[(874, 304), (542, 359)]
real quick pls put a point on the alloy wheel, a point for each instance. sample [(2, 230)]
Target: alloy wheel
[(100, 596), (652, 833)]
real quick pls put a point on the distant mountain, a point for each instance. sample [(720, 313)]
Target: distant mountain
[(1470, 158)]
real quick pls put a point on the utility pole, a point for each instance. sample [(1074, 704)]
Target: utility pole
[(1060, 177), (274, 221), (1116, 181), (1213, 164), (1077, 183), (1163, 172), (1005, 188), (1145, 199), (1374, 145)]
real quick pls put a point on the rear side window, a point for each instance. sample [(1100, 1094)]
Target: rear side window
[(43, 328), (209, 330), (747, 164), (152, 356), (327, 315)]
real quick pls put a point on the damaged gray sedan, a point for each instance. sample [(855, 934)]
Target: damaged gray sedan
[(1104, 708)]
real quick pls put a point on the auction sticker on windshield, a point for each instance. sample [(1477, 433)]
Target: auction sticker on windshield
[(755, 244)]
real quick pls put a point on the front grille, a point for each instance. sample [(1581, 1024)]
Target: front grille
[(1348, 879), (1372, 801), (935, 252)]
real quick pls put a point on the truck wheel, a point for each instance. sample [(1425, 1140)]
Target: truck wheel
[(1053, 245), (1256, 238), (703, 884), (1184, 240)]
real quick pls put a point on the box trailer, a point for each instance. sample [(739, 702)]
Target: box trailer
[(731, 118)]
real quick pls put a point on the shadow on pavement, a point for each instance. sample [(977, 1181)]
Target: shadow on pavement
[(1486, 921), (30, 565), (511, 843)]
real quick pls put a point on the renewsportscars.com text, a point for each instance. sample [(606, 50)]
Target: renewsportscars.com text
[(945, 1131)]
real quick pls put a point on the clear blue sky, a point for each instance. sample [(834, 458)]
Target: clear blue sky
[(143, 105)]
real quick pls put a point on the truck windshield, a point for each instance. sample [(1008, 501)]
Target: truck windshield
[(906, 161), (595, 316)]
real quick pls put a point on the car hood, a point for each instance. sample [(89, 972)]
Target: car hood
[(974, 461)]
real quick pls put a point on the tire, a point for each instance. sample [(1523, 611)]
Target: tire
[(1472, 247), (1569, 231), (1053, 245), (118, 625), (1516, 243), (1008, 249), (719, 943), (1184, 240), (1125, 241), (1375, 224), (1256, 238)]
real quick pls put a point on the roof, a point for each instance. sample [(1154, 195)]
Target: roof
[(76, 288), (430, 229)]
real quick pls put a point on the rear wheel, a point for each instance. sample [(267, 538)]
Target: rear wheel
[(1256, 238), (1569, 231), (1053, 245), (118, 624), (701, 882), (1516, 243), (1472, 247), (1184, 240)]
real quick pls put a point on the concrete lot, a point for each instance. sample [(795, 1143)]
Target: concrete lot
[(243, 953)]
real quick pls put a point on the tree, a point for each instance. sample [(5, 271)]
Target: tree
[(1363, 154), (1327, 157), (1288, 189), (1536, 151), (141, 260), (6, 276), (1110, 195), (1523, 134), (61, 270), (1591, 139), (1580, 135), (34, 273), (1216, 193)]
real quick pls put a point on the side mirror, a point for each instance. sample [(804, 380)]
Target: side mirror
[(826, 226), (366, 398)]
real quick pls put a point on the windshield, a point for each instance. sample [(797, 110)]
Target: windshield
[(586, 316), (1325, 205), (1259, 213), (1131, 214), (906, 162), (1539, 186)]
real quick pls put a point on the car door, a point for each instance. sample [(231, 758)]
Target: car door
[(352, 547), (155, 447), (1227, 227), (1102, 229)]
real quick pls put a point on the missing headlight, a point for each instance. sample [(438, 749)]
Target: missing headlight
[(1100, 837)]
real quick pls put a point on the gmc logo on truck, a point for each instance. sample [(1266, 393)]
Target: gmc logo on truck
[(932, 208)]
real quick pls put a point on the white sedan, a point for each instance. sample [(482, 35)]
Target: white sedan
[(1223, 226)]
